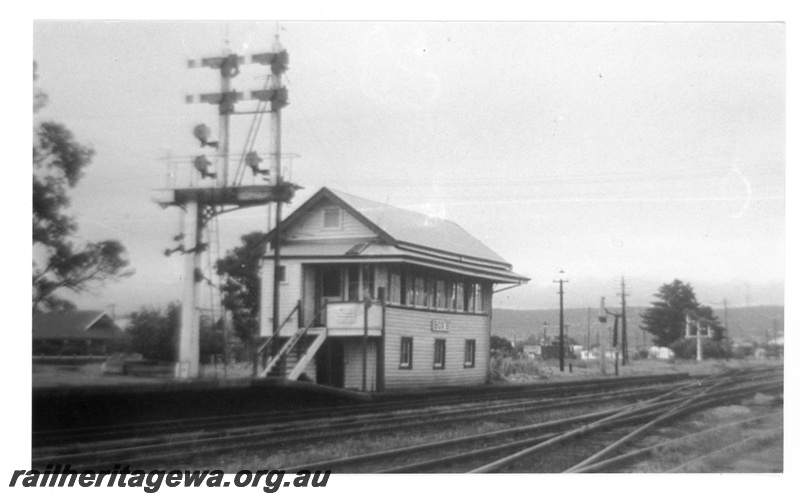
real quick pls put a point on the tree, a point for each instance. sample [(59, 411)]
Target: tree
[(59, 263), (500, 346), (242, 283), (155, 333), (666, 318)]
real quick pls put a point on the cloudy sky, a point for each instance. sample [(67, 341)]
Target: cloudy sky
[(649, 150)]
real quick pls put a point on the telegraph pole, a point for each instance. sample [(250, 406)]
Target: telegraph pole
[(725, 311), (588, 327), (624, 326), (601, 316), (561, 282)]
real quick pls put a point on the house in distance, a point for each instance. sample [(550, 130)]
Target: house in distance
[(77, 333), (424, 284)]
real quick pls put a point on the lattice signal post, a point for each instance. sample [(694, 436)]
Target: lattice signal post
[(202, 204), (698, 324)]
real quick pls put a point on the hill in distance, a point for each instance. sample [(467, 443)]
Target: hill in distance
[(755, 323)]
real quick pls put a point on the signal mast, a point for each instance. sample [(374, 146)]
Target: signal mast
[(212, 192)]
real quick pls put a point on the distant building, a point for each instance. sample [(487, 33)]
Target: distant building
[(429, 284), (660, 353), (76, 333), (532, 350)]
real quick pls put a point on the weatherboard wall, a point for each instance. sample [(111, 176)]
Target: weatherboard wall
[(310, 226), (418, 325), (290, 292), (354, 364)]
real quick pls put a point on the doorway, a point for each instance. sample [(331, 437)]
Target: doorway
[(330, 363)]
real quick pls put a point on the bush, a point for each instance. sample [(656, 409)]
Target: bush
[(502, 367), (155, 333), (687, 349), (743, 350)]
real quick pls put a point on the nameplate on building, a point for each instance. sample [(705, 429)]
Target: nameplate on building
[(345, 315), (440, 326), (350, 316)]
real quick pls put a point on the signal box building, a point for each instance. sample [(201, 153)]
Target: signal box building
[(424, 284)]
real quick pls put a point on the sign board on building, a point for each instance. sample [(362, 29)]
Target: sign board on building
[(440, 326), (350, 316)]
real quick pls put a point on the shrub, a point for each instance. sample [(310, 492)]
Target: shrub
[(687, 349), (502, 367), (155, 332)]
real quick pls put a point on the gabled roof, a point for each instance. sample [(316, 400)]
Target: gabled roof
[(404, 228), (74, 325)]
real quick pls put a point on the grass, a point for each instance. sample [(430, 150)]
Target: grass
[(531, 370), (751, 447), (69, 375)]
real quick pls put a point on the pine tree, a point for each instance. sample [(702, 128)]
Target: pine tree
[(666, 318)]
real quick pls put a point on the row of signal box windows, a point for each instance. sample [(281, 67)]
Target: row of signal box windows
[(427, 290), (416, 288), (439, 353)]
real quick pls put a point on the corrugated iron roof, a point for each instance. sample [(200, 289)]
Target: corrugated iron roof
[(420, 230)]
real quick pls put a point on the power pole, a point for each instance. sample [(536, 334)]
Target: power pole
[(601, 316), (725, 311), (561, 282), (588, 327), (624, 326)]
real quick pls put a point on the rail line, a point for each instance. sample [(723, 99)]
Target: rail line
[(387, 405), (454, 455), (148, 449), (590, 438)]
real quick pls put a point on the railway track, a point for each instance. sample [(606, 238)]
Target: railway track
[(613, 415), (387, 405), (558, 445)]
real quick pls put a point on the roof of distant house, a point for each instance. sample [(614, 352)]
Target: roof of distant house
[(74, 325)]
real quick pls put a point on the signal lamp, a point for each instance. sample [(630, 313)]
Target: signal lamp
[(253, 160), (201, 164), (203, 133)]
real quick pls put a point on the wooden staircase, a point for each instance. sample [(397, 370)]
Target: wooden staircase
[(288, 363), (302, 359)]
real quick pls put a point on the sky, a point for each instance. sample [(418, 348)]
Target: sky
[(653, 151)]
